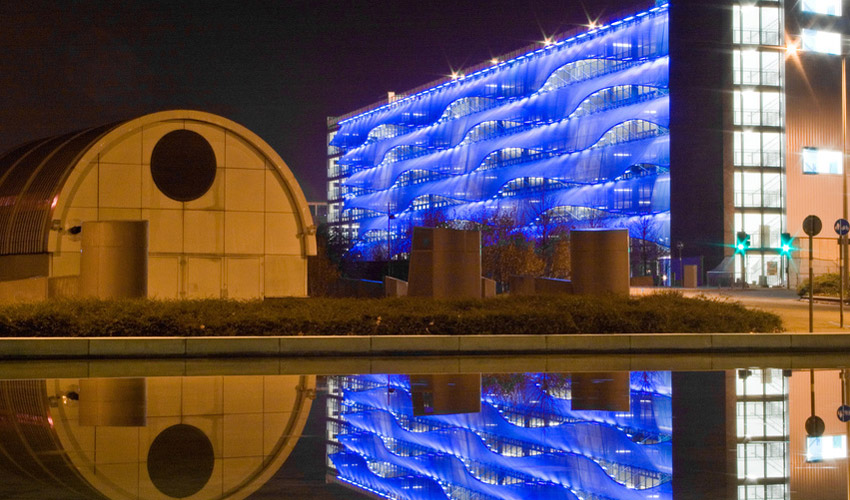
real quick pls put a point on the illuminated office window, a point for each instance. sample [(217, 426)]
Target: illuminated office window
[(828, 7), (821, 161), (825, 42)]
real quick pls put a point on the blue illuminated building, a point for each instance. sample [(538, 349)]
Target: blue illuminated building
[(526, 442), (575, 133), (685, 122)]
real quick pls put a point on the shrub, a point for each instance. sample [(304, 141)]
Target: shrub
[(661, 313), (825, 284)]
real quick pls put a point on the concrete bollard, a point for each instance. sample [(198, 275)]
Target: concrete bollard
[(114, 261), (600, 261)]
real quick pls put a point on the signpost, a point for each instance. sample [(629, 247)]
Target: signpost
[(811, 226), (842, 227)]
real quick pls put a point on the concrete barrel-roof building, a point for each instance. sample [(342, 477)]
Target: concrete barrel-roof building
[(227, 217)]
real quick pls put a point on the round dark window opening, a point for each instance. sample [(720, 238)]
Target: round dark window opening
[(183, 165), (180, 461)]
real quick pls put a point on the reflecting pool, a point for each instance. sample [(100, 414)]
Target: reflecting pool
[(232, 432)]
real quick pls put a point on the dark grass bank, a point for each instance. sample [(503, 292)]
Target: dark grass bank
[(662, 313)]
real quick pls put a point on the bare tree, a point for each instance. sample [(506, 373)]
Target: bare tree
[(645, 252)]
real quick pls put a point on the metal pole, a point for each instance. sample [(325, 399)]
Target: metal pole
[(811, 289), (845, 269)]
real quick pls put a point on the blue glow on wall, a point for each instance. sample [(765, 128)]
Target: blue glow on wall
[(525, 443), (578, 131)]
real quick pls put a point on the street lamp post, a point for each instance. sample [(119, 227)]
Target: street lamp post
[(679, 246)]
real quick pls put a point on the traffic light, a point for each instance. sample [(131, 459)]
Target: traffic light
[(786, 244), (743, 243)]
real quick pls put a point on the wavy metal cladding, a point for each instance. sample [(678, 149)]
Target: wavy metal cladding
[(31, 177), (578, 127), (526, 442)]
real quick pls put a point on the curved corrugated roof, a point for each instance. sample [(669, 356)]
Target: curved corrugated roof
[(31, 177)]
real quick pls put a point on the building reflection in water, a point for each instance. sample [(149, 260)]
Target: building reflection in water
[(161, 437), (528, 441), (736, 434)]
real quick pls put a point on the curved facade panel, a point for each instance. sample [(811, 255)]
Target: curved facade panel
[(578, 129)]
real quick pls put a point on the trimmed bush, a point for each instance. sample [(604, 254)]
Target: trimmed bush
[(661, 313)]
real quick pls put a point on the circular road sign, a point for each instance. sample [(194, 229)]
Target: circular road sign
[(842, 227), (815, 426), (843, 413), (812, 225)]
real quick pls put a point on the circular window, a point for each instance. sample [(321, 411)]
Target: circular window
[(183, 165), (180, 461)]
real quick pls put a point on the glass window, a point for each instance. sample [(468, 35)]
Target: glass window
[(827, 7), (772, 190), (821, 161), (825, 42)]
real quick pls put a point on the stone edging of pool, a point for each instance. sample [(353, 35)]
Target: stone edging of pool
[(207, 347)]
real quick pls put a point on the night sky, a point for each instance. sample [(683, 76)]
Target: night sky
[(280, 68)]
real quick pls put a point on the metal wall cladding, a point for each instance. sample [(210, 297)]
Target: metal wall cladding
[(32, 177), (813, 120)]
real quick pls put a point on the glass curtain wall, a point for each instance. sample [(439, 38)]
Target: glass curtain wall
[(759, 137), (763, 435)]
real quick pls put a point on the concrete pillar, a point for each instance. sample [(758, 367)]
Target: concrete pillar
[(445, 263), (114, 261), (600, 261), (690, 278)]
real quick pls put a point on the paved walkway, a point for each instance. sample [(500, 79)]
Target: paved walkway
[(786, 303)]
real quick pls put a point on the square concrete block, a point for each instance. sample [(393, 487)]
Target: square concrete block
[(244, 190), (521, 285), (120, 186), (394, 287), (502, 343), (217, 346), (244, 277), (165, 230), (203, 278), (415, 343), (319, 345), (244, 232), (285, 276), (162, 276), (488, 288), (203, 231)]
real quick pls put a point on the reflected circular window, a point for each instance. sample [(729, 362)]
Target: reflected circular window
[(183, 165), (180, 461)]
